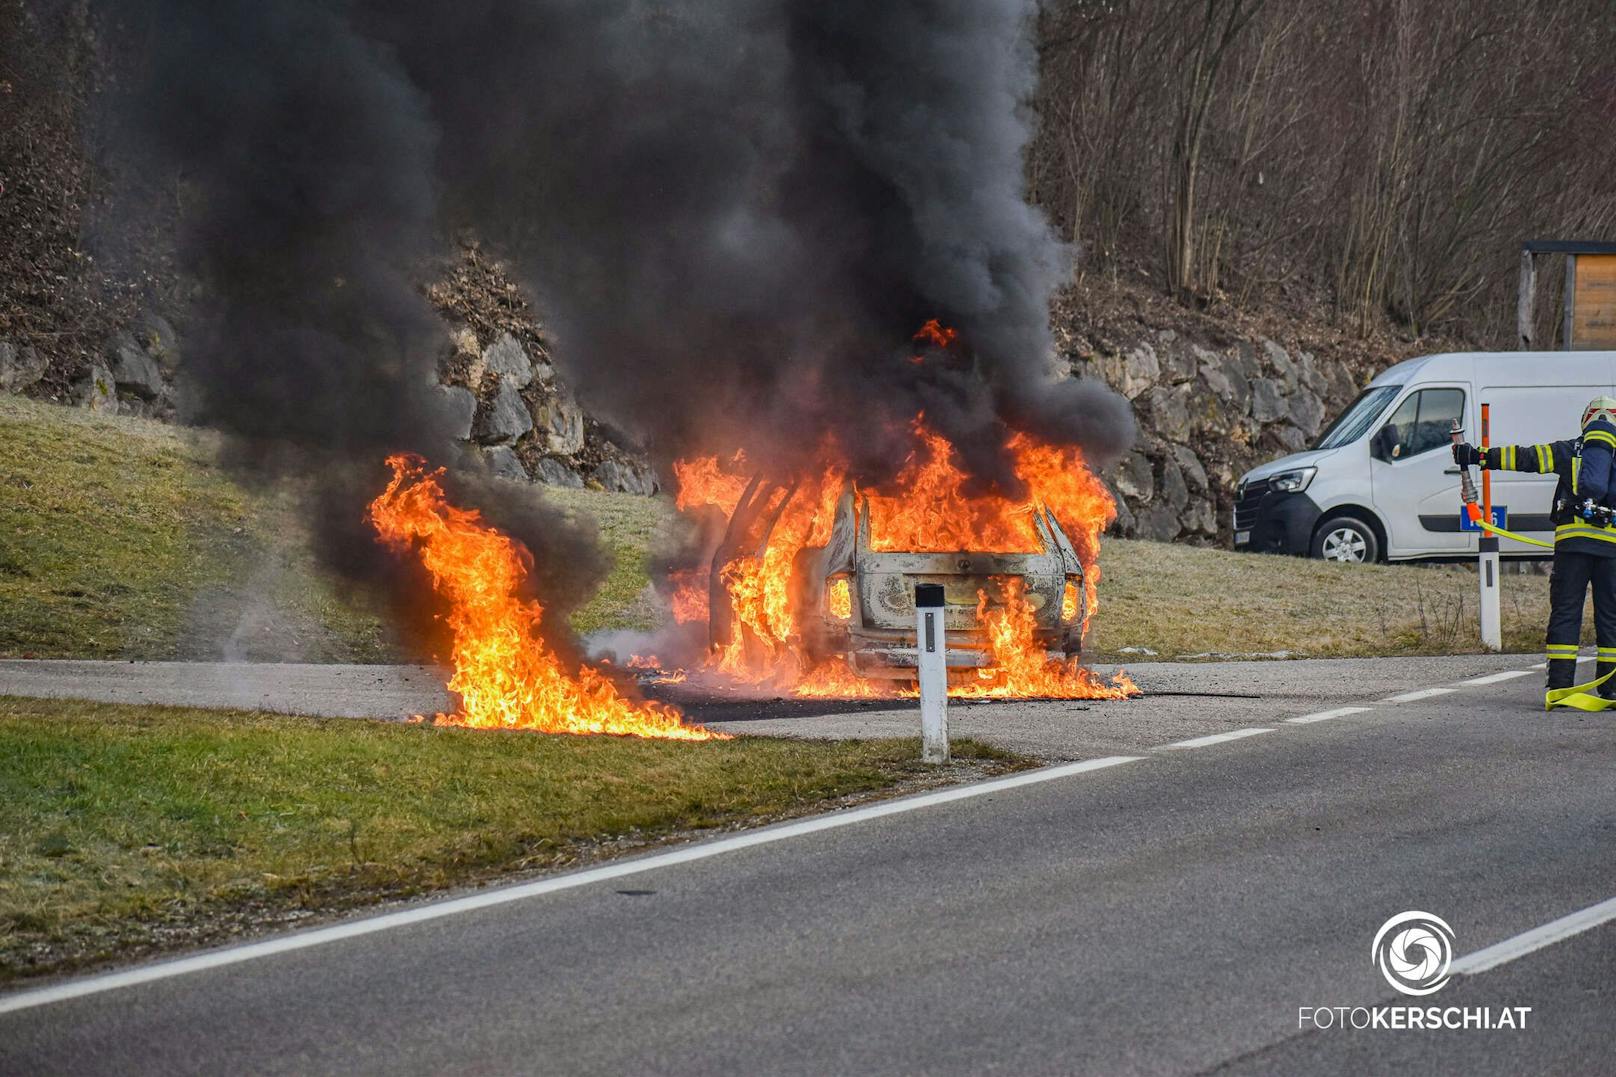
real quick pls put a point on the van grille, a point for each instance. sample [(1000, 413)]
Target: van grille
[(1245, 509)]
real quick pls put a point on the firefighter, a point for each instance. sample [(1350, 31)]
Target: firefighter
[(1584, 538)]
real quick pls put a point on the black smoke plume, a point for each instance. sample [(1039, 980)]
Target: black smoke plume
[(734, 214)]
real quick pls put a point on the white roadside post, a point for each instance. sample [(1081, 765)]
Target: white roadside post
[(1492, 633), (932, 671)]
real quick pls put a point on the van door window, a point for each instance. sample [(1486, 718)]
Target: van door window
[(1422, 422)]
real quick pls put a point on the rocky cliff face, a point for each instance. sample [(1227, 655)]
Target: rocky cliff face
[(1206, 415)]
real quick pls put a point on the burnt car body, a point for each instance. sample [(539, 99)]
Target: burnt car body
[(854, 602)]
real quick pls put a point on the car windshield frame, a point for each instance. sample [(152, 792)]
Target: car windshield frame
[(1358, 418)]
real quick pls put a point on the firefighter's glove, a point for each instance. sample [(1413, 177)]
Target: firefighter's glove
[(1467, 455)]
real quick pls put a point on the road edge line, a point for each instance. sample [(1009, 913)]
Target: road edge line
[(505, 895), (1526, 942)]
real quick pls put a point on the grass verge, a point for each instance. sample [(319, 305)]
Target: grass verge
[(129, 830), (119, 538)]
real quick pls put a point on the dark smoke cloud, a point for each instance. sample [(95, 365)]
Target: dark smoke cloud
[(304, 157), (734, 213)]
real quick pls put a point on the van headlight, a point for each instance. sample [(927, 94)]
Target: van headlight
[(1292, 482)]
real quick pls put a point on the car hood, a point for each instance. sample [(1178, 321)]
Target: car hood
[(1310, 458)]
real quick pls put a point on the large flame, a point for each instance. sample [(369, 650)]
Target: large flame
[(925, 509), (505, 674)]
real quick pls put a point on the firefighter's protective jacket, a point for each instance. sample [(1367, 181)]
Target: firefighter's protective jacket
[(1584, 466)]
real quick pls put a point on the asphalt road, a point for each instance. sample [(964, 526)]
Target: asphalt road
[(1165, 914)]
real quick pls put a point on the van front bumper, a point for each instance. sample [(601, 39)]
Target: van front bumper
[(1271, 522)]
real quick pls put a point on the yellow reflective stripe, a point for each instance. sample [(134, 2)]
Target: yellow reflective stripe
[(1576, 470), (1607, 652), (1561, 648), (1545, 459), (1509, 458), (1588, 531), (1600, 436)]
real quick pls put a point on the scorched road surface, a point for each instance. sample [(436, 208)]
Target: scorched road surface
[(1166, 913)]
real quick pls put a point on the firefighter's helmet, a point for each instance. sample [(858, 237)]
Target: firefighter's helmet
[(1600, 407)]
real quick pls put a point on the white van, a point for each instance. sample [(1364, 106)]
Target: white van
[(1380, 482)]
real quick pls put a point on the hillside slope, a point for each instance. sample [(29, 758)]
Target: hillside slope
[(120, 539)]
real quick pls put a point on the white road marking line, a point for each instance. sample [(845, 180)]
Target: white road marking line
[(1415, 697), (1495, 678), (1541, 665), (1539, 937), (1216, 738), (1324, 716), (505, 895)]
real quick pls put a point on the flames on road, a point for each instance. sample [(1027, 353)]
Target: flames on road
[(505, 674), (508, 677)]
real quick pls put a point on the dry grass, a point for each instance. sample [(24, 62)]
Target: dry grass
[(120, 538), (128, 829), (1182, 600)]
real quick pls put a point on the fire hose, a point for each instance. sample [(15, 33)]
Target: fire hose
[(1582, 697)]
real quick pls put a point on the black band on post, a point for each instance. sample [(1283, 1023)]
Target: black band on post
[(928, 595), (1489, 544)]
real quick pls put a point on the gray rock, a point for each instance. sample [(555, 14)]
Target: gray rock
[(1174, 493), (1244, 359), (503, 418), (1289, 438), (553, 472), (1343, 387), (627, 477), (20, 367), (1134, 478), (97, 391), (1190, 464), (157, 336), (1268, 400), (459, 406), (1140, 370), (1278, 360), (1125, 522), (507, 358), (1179, 358), (1170, 412), (1306, 412), (562, 422), (1227, 379), (1159, 523), (1201, 517), (1307, 368), (133, 370), (503, 463)]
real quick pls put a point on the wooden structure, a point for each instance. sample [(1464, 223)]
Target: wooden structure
[(1589, 309)]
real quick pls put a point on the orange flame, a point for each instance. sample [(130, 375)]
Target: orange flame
[(925, 509), (505, 674), (936, 334), (1020, 667)]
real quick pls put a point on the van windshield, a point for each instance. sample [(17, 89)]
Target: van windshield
[(1355, 422)]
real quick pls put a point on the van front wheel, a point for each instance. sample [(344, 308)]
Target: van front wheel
[(1346, 538)]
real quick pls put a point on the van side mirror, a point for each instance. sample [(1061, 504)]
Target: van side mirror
[(1381, 446)]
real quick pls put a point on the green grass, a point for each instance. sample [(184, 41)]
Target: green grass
[(629, 525), (119, 538), (127, 829)]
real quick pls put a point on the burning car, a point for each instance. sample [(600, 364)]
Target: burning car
[(853, 598)]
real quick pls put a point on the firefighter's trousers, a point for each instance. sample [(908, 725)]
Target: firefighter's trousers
[(1568, 585)]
